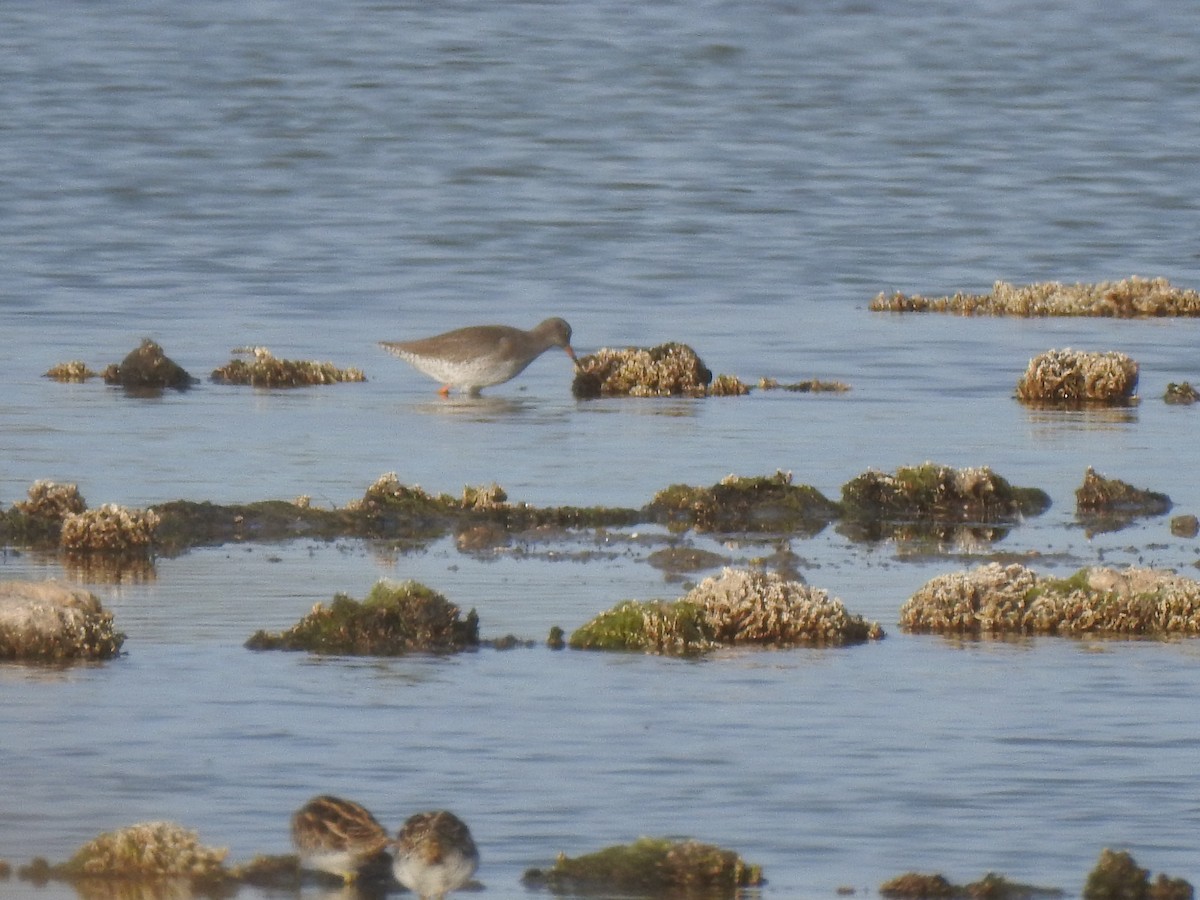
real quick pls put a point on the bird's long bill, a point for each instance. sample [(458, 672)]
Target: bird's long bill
[(571, 353)]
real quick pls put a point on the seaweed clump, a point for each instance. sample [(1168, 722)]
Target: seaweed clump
[(1129, 298), (737, 608), (265, 370), (1118, 877), (994, 599), (1109, 504), (668, 370), (918, 886), (48, 622), (391, 621), (938, 493), (148, 370), (737, 503), (1072, 378), (651, 865)]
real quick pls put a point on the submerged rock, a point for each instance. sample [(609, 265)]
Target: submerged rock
[(265, 370), (1182, 394), (1132, 297), (668, 370), (1117, 877), (996, 599), (739, 504), (651, 866), (737, 608), (1109, 504), (148, 369), (937, 493), (391, 621), (812, 386), (918, 886), (44, 621), (1076, 378)]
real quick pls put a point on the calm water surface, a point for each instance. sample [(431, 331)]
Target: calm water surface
[(740, 177)]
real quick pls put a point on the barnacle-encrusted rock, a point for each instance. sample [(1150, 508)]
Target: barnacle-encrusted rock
[(812, 386), (109, 529), (75, 370), (1109, 504), (148, 850), (664, 371), (727, 386), (484, 497), (1076, 378), (265, 370), (737, 503), (46, 621), (392, 620), (932, 492), (148, 369), (919, 886), (1182, 394), (1117, 877), (1012, 599), (651, 865), (48, 500), (1132, 297), (736, 608)]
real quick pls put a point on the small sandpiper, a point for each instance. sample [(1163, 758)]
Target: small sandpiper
[(479, 356), (337, 836), (435, 854)]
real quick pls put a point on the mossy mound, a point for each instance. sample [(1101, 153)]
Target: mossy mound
[(1129, 298), (45, 622), (996, 599), (919, 886), (149, 850), (265, 370), (109, 528), (391, 621), (1109, 504), (148, 369), (651, 866), (74, 371), (668, 370), (937, 493), (1072, 378), (1117, 877), (737, 608), (745, 504)]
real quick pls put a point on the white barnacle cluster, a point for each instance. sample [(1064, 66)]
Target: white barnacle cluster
[(484, 497), (50, 500), (1069, 376), (751, 606), (996, 599), (149, 849), (109, 528)]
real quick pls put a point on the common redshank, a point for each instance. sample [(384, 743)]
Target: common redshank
[(481, 355), (435, 854), (337, 836)]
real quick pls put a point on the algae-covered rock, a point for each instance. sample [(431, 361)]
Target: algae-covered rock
[(919, 886), (1109, 504), (938, 493), (737, 608), (738, 504), (1012, 599), (812, 386), (1182, 394), (392, 620), (1118, 877), (149, 850), (148, 369), (44, 621), (265, 370), (1186, 526), (1072, 378), (109, 529), (651, 866), (1129, 298), (668, 370)]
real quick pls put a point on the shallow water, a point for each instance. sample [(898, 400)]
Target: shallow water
[(740, 178)]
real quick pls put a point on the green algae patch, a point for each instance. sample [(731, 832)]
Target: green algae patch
[(993, 599), (1075, 378), (391, 621), (745, 504), (738, 608), (1109, 504), (937, 493), (651, 866), (263, 369), (920, 886), (1130, 298), (1118, 877)]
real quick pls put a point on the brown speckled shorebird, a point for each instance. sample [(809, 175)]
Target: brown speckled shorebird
[(435, 854), (337, 836), (481, 355)]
